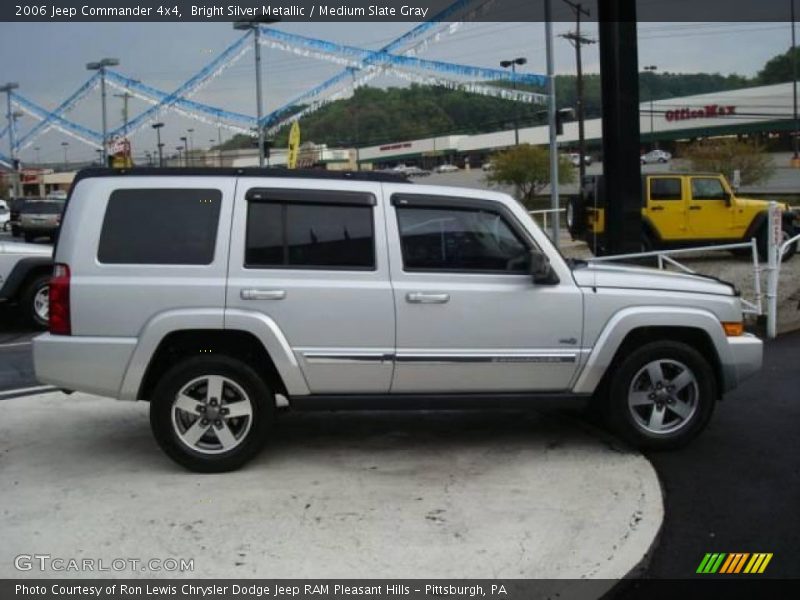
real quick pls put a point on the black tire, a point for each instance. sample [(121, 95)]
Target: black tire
[(576, 217), (29, 237), (697, 398), (14, 231), (761, 244), (28, 299), (165, 429)]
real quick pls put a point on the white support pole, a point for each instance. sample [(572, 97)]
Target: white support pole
[(774, 236), (551, 119)]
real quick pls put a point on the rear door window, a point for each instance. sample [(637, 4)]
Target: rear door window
[(160, 227), (310, 230), (665, 188)]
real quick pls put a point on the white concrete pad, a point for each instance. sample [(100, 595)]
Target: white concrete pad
[(423, 495)]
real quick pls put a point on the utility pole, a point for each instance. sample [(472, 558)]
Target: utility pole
[(160, 146), (551, 119), (795, 153), (101, 66), (578, 41)]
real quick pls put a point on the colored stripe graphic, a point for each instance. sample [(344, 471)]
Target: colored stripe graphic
[(711, 562), (758, 563), (734, 563)]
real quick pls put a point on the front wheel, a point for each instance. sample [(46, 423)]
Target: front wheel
[(211, 414), (661, 396)]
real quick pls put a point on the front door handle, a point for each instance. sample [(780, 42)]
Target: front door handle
[(695, 208), (423, 298), (657, 208), (254, 294)]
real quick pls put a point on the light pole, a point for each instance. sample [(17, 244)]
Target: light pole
[(255, 27), (101, 66), (190, 151), (578, 41), (36, 149), (179, 149), (8, 88), (185, 150), (126, 95), (65, 145), (651, 69), (159, 145), (513, 64), (212, 142)]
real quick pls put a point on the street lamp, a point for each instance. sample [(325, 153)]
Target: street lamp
[(185, 150), (651, 69), (101, 67), (513, 64), (65, 145), (255, 27), (8, 88), (190, 131), (179, 149), (157, 127), (38, 155)]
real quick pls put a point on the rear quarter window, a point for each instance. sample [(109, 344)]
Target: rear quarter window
[(160, 226)]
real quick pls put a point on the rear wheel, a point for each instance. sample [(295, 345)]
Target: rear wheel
[(786, 234), (661, 396), (35, 301), (211, 414), (29, 237)]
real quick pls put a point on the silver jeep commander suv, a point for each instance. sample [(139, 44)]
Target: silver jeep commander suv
[(214, 293)]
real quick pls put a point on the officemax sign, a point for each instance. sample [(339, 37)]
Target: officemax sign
[(711, 111)]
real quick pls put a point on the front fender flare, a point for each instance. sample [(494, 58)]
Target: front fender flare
[(628, 319)]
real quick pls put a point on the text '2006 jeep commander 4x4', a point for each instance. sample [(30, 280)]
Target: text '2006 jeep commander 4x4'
[(210, 292)]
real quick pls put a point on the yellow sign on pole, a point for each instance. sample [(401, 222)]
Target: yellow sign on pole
[(294, 145)]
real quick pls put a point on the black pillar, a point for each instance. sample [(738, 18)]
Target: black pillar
[(619, 71)]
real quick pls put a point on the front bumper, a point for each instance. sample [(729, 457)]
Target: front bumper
[(745, 359)]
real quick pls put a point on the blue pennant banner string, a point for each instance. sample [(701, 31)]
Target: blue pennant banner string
[(63, 108)]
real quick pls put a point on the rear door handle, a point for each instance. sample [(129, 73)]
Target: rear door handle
[(424, 298), (657, 208), (254, 294), (695, 208)]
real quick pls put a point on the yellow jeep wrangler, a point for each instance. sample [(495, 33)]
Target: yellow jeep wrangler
[(680, 209)]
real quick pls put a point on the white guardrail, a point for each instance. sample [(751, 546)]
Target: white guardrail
[(543, 215), (776, 246)]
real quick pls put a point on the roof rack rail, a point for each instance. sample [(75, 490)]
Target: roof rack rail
[(381, 176)]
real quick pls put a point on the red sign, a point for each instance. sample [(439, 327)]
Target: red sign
[(395, 146), (711, 111)]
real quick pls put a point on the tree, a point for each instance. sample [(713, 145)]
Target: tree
[(725, 155), (527, 168), (778, 69)]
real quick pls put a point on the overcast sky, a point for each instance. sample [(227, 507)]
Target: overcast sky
[(48, 60)]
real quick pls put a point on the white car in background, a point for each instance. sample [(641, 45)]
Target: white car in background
[(656, 156), (5, 216), (446, 168), (575, 159), (24, 277)]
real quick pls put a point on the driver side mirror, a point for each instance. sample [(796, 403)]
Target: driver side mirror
[(541, 271)]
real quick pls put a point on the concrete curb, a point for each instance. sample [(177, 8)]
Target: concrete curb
[(510, 494)]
